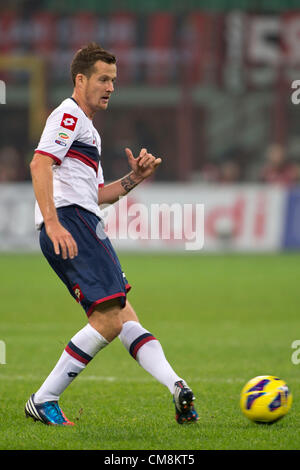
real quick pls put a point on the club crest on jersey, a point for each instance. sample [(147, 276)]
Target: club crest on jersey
[(68, 121), (78, 293)]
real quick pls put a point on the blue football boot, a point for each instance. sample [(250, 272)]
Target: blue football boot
[(48, 413)]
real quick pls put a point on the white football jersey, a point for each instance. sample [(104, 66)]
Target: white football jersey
[(70, 138)]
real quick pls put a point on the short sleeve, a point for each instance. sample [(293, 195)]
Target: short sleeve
[(58, 135), (100, 177)]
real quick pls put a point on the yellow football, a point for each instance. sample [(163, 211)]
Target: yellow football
[(265, 399)]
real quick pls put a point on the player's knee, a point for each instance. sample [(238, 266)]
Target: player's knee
[(107, 320)]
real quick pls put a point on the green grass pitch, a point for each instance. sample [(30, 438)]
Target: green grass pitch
[(221, 319)]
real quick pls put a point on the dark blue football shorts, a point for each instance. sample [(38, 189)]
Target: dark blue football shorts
[(95, 274)]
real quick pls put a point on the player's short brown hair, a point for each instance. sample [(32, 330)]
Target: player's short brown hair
[(85, 58)]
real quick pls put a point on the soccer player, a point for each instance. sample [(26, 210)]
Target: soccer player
[(69, 187)]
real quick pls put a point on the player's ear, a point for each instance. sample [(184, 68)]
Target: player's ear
[(80, 79)]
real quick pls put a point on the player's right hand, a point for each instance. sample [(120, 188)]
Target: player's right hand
[(62, 240)]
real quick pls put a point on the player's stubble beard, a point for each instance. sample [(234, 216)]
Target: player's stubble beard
[(94, 104)]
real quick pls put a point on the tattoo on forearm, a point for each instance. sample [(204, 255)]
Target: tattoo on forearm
[(128, 183)]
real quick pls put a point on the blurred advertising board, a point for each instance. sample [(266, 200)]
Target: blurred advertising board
[(291, 238), (174, 217), (17, 231)]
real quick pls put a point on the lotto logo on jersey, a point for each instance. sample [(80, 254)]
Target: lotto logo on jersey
[(69, 122)]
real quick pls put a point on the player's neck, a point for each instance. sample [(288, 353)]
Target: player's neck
[(80, 102)]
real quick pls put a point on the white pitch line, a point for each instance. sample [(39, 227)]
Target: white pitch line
[(100, 378), (112, 379)]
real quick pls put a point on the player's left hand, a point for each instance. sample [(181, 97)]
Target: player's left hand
[(144, 165)]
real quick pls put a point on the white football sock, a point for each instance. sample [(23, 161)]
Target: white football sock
[(77, 354), (148, 352)]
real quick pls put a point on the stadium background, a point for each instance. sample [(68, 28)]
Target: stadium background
[(207, 86)]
